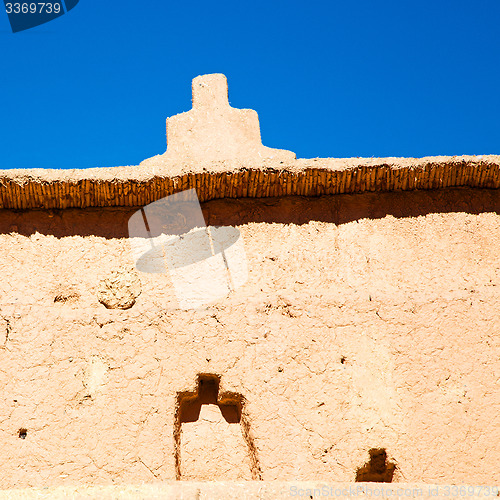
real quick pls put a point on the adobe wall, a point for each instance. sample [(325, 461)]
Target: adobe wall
[(368, 321)]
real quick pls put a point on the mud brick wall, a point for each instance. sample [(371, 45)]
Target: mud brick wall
[(369, 321)]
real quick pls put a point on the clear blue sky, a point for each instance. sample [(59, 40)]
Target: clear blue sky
[(329, 78)]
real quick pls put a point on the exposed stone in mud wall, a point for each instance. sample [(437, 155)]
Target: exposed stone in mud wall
[(120, 289)]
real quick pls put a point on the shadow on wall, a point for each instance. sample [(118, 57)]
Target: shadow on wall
[(338, 209)]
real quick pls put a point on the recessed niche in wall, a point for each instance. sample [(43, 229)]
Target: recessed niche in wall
[(377, 469), (212, 435)]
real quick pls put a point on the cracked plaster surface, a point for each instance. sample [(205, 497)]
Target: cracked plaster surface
[(380, 331)]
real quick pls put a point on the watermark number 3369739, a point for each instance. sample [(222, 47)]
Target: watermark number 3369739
[(26, 15)]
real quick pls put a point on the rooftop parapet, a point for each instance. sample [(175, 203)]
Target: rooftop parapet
[(217, 150), (214, 131)]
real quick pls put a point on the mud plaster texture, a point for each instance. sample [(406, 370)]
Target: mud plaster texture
[(368, 321), (368, 325)]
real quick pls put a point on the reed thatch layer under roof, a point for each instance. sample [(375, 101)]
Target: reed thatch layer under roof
[(136, 186)]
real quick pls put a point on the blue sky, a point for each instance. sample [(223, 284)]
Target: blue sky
[(340, 79)]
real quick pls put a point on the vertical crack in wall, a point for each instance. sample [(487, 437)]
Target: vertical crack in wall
[(8, 329), (232, 407)]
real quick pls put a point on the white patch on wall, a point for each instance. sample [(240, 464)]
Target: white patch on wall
[(95, 375), (205, 263)]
